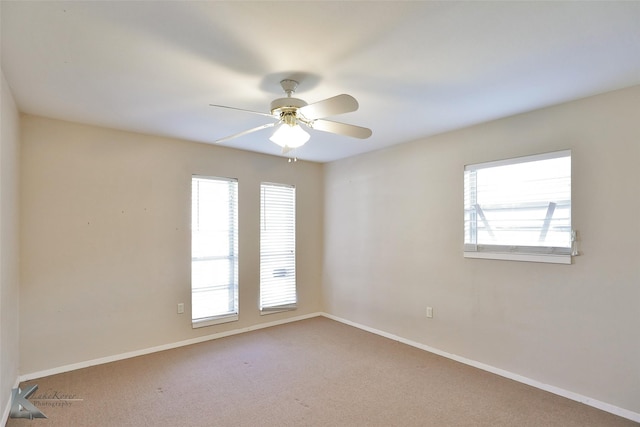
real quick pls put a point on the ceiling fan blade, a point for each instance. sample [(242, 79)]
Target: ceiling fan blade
[(338, 104), (341, 128), (240, 109), (236, 135)]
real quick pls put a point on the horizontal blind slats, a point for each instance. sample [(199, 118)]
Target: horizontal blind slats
[(277, 247)]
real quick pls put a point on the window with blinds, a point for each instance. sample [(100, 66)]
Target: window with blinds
[(277, 247), (214, 250), (519, 209)]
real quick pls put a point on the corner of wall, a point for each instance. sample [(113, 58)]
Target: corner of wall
[(9, 245)]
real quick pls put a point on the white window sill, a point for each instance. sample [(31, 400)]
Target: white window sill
[(266, 311), (551, 259), (213, 321)]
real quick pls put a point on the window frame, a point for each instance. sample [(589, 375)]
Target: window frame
[(545, 254), (232, 256)]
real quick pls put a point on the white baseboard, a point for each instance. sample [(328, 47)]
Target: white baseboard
[(7, 408), (122, 356), (621, 412), (5, 413)]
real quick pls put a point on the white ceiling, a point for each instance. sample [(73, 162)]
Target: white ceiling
[(416, 68)]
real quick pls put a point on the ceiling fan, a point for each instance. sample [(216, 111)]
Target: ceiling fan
[(289, 113)]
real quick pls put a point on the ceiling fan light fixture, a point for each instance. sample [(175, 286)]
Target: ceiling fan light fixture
[(292, 136)]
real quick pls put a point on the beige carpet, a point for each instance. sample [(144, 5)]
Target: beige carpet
[(315, 372)]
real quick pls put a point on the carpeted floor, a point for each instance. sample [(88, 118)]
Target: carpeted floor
[(315, 372)]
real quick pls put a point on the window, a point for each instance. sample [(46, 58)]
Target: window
[(277, 247), (519, 209), (214, 250)]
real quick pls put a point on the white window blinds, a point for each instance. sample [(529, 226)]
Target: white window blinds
[(277, 247), (214, 250), (519, 206)]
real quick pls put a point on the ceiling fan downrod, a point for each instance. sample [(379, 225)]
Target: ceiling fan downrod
[(289, 86)]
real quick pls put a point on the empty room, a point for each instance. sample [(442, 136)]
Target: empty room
[(320, 213)]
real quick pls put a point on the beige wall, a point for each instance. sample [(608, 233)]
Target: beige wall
[(106, 239), (9, 243), (393, 245)]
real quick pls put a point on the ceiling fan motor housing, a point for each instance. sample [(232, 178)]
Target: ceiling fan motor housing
[(281, 103), (283, 107)]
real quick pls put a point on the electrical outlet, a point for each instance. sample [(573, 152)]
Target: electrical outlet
[(430, 312), (181, 308)]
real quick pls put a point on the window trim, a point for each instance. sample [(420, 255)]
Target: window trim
[(509, 256), (553, 255), (213, 320)]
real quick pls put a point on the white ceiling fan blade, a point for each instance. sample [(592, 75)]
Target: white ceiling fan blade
[(338, 104), (236, 135), (341, 128), (241, 109)]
